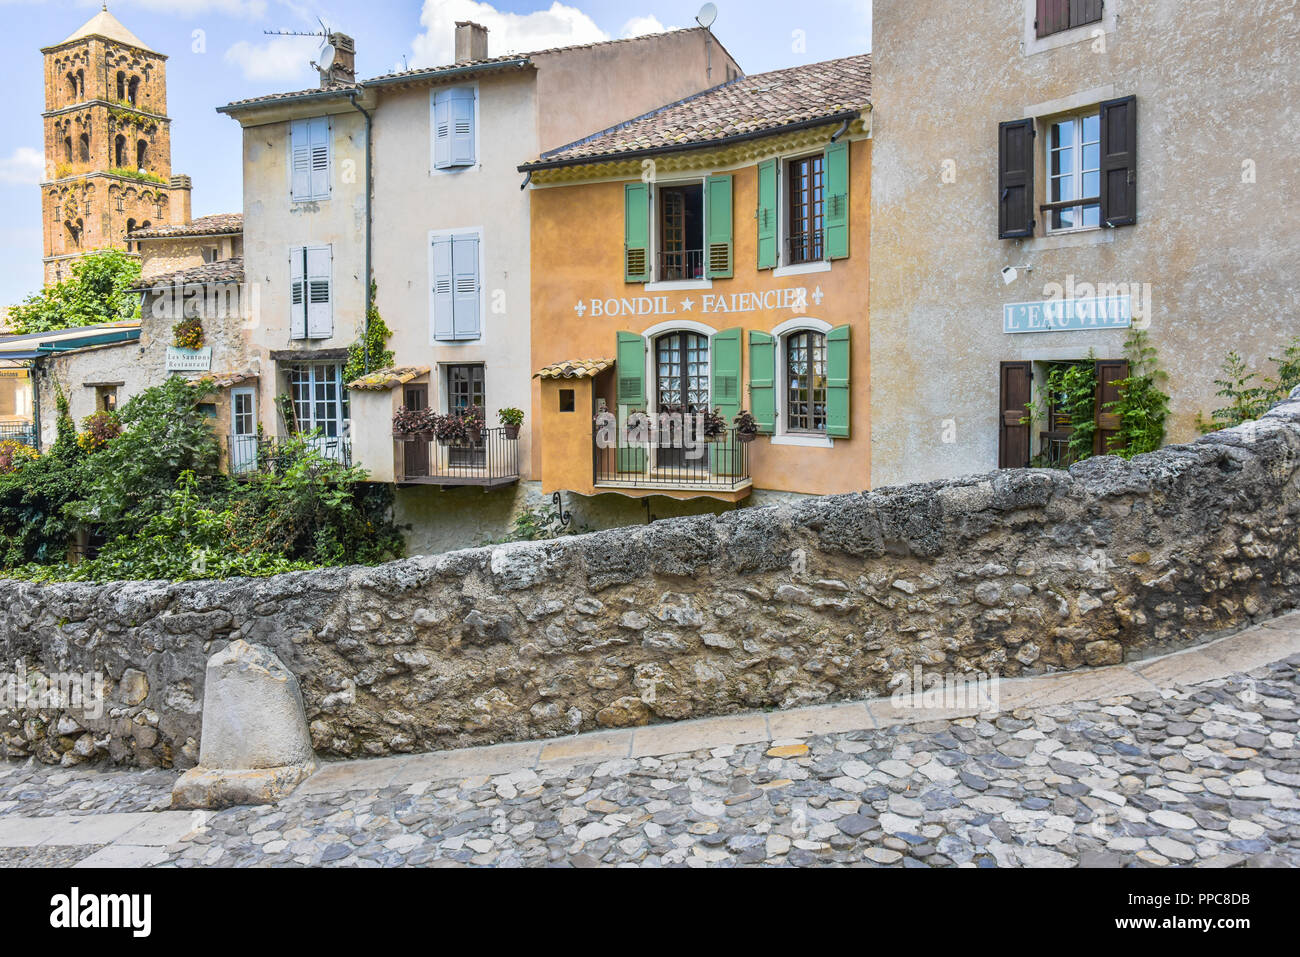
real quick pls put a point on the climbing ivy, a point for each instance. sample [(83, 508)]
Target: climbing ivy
[(370, 352)]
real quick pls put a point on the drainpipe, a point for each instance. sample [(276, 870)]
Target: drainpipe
[(844, 128), (370, 125)]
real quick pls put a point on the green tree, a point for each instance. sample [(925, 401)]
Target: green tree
[(98, 291)]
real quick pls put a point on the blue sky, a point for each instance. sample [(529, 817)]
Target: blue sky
[(217, 53)]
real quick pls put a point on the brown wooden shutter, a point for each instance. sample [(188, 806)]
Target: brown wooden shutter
[(1119, 162), (1013, 434), (1016, 179), (1085, 11), (1110, 372), (1053, 17)]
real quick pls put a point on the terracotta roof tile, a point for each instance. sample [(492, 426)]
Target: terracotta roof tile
[(765, 102), (224, 380), (203, 226), (225, 270), (575, 369), (387, 379)]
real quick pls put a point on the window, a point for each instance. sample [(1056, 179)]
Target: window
[(106, 398), (141, 154), (311, 271), (454, 128), (456, 287), (320, 403), (1056, 16), (133, 90), (681, 232), (568, 400), (84, 147), (121, 87), (805, 382), (465, 387), (210, 254), (807, 195), (1074, 173), (311, 154)]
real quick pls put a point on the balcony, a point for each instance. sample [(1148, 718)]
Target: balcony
[(249, 456), (668, 465), (491, 462), (676, 265)]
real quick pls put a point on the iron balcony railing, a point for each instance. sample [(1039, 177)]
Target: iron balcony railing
[(672, 459), (21, 432), (250, 455), (492, 460), (677, 264), (803, 248)]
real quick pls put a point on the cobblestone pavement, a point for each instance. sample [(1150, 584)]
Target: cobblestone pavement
[(1205, 775)]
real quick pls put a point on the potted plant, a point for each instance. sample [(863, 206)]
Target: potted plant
[(746, 426), (511, 420), (460, 428), (188, 334), (714, 425), (409, 423), (474, 423)]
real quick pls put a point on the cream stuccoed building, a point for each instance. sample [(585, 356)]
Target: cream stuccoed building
[(443, 231)]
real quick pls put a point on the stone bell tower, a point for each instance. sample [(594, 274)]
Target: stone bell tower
[(107, 144)]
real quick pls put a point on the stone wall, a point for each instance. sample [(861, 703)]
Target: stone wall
[(1008, 573)]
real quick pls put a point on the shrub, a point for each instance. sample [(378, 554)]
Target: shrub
[(98, 291), (1143, 408), (98, 429), (13, 455)]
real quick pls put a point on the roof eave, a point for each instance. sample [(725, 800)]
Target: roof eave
[(447, 73), (839, 117)]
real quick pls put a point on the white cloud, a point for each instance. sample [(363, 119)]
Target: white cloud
[(642, 26), (24, 165), (559, 25), (279, 59)]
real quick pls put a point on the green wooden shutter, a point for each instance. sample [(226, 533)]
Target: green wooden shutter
[(837, 201), (636, 232), (762, 381), (766, 214), (837, 382), (630, 382), (718, 216), (724, 360)]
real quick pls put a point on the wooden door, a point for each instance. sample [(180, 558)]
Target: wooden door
[(416, 397), (1013, 432), (1110, 372)]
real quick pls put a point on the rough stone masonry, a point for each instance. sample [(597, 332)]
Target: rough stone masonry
[(1008, 573)]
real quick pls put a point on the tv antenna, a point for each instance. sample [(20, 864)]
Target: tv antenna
[(327, 52)]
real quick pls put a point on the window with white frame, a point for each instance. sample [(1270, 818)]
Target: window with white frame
[(320, 403), (310, 159), (804, 355), (455, 127), (311, 299), (1074, 173)]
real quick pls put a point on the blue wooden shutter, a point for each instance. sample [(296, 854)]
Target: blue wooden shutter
[(320, 292), (762, 381), (837, 382), (298, 293), (462, 127), (443, 284), (837, 201), (766, 214), (441, 130), (636, 232), (320, 158), (718, 217), (300, 159), (465, 308)]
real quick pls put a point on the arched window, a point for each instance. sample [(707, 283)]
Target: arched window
[(67, 149), (72, 87), (85, 147), (74, 233), (130, 225), (121, 86), (805, 381), (81, 85), (119, 151), (133, 90), (141, 154)]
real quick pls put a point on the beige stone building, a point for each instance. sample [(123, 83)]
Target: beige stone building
[(443, 231), (179, 246), (1047, 175), (107, 144)]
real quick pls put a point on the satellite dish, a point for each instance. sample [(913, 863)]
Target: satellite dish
[(326, 58), (708, 13)]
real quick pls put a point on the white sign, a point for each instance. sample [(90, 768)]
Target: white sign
[(1068, 315), (708, 303), (189, 360)]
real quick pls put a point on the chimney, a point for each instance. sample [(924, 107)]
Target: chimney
[(471, 41), (180, 188), (344, 68)]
